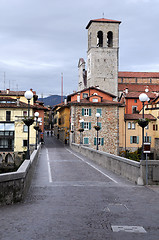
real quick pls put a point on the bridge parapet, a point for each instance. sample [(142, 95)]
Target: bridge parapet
[(132, 170)]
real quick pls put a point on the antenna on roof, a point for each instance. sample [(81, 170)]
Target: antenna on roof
[(4, 81), (103, 14), (61, 87)]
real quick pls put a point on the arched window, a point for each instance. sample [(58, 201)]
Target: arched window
[(1, 158), (110, 39), (9, 158), (100, 39)]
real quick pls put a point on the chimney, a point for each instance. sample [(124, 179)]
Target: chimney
[(8, 91), (18, 102), (126, 90), (65, 101), (78, 98)]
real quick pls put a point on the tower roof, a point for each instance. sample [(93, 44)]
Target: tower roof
[(103, 20)]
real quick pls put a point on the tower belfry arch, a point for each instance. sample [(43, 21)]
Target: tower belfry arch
[(102, 54)]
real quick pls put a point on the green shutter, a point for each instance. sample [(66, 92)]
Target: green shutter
[(89, 125), (100, 125), (82, 123), (89, 111), (95, 142), (82, 111), (99, 110), (137, 139), (131, 139), (150, 139), (86, 140), (102, 143)]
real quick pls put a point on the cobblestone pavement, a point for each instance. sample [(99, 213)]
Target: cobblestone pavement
[(71, 198)]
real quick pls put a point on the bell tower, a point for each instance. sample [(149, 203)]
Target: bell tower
[(102, 54)]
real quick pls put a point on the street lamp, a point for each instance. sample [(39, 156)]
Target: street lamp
[(28, 95), (36, 114), (97, 115), (81, 130), (143, 98)]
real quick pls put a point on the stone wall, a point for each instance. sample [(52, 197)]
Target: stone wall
[(109, 127), (14, 185)]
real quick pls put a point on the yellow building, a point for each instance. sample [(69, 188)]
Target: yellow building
[(130, 133), (13, 132), (62, 122)]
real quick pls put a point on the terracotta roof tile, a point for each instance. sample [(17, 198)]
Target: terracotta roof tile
[(102, 20), (132, 87), (138, 74), (136, 95), (136, 116), (87, 102)]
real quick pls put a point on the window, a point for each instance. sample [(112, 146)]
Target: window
[(95, 100), (25, 143), (110, 39), (24, 113), (8, 115), (129, 125), (25, 128), (99, 110), (86, 125), (100, 39), (85, 95), (86, 140), (100, 141), (133, 125), (86, 111), (155, 127), (134, 109), (147, 139), (135, 101), (134, 139)]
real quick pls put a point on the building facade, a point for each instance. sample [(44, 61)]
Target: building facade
[(102, 54)]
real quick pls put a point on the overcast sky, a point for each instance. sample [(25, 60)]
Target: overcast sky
[(40, 39)]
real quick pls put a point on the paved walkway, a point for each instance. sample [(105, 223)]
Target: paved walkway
[(73, 199)]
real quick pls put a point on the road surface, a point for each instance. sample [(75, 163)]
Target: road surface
[(71, 198)]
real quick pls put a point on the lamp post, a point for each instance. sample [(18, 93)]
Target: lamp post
[(36, 114), (28, 95), (97, 115), (81, 130), (143, 98)]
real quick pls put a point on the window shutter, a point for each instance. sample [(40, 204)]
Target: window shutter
[(100, 125), (137, 139), (82, 123), (89, 111), (95, 142), (99, 110), (82, 111), (89, 125), (150, 139), (131, 139), (102, 143)]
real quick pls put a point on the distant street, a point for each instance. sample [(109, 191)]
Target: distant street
[(71, 198)]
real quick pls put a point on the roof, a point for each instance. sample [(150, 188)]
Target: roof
[(13, 93), (139, 74), (136, 95), (103, 20), (137, 116), (134, 87), (87, 102), (98, 89)]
